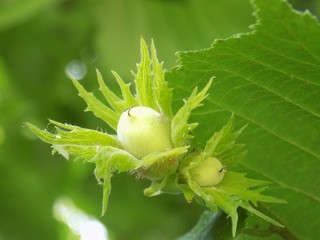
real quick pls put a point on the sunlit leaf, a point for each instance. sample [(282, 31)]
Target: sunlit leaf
[(269, 78)]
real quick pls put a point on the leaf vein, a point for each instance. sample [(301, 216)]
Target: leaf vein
[(283, 185), (308, 151)]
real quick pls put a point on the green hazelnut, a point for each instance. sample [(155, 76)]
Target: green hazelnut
[(142, 131), (208, 173)]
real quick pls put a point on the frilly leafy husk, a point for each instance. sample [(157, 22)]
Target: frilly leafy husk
[(169, 171), (235, 190)]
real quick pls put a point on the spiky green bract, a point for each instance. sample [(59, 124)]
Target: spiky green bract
[(104, 149), (181, 132), (81, 143), (158, 165), (108, 161), (151, 88), (180, 128), (98, 108), (118, 104), (90, 146), (171, 166), (235, 190), (162, 93), (223, 146)]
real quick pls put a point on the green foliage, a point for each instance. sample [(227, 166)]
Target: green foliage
[(11, 13), (235, 190), (174, 25), (115, 102), (98, 108), (38, 38), (76, 141), (103, 149), (223, 145), (166, 168), (181, 129), (270, 79), (162, 92), (33, 86)]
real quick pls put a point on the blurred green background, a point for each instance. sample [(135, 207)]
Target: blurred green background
[(40, 40)]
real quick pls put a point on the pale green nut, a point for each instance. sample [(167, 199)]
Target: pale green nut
[(142, 131), (209, 173)]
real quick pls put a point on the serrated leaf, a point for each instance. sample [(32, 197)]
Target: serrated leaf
[(270, 79)]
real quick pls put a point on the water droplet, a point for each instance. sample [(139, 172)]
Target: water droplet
[(76, 69)]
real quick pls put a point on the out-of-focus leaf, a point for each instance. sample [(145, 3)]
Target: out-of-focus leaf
[(174, 25), (13, 12)]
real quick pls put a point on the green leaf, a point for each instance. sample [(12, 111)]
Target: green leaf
[(269, 78), (174, 25), (15, 12)]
